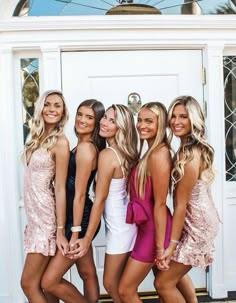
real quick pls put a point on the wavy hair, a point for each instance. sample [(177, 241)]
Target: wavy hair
[(126, 137), (37, 128), (160, 140), (196, 140), (99, 111)]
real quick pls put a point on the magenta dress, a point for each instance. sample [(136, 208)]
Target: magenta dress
[(201, 224), (141, 212), (39, 200)]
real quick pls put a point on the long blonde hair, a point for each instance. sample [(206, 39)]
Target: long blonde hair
[(37, 127), (195, 141), (160, 140), (126, 137)]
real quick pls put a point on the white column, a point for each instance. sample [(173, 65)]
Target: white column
[(216, 137), (10, 236), (51, 68)]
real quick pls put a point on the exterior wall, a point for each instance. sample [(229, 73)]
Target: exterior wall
[(47, 36)]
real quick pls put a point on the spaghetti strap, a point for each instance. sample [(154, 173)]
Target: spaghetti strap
[(121, 166)]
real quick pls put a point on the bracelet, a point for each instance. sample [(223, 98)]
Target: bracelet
[(160, 250), (174, 241), (60, 227), (75, 229)]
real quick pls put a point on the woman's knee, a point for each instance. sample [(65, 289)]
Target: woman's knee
[(159, 284), (25, 284), (125, 291), (109, 286), (47, 283)]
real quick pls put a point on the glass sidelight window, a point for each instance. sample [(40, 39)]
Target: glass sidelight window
[(230, 116), (30, 90)]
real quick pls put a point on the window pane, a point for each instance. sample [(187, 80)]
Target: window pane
[(230, 116), (30, 90)]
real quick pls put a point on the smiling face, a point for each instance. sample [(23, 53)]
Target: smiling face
[(108, 126), (147, 125), (53, 110), (180, 122), (84, 121)]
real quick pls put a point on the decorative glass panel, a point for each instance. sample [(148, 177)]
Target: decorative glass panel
[(230, 116), (118, 7), (30, 90)]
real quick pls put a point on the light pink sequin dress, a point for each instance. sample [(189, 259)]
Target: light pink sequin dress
[(40, 232), (201, 224)]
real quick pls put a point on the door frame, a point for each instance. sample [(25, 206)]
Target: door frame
[(48, 36)]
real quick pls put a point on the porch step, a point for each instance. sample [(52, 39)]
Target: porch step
[(202, 296)]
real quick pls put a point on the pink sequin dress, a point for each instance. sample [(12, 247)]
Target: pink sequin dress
[(40, 232), (201, 224)]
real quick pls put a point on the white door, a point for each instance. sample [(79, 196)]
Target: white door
[(110, 76)]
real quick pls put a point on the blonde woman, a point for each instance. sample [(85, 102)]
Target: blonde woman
[(149, 184), (195, 219), (114, 167), (45, 161)]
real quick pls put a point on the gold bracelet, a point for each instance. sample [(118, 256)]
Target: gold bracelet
[(60, 227)]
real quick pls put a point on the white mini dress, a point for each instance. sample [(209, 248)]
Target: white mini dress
[(120, 236)]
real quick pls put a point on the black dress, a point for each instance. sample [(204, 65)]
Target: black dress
[(70, 194)]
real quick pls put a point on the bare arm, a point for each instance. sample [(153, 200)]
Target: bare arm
[(105, 174), (85, 161), (182, 197), (61, 154), (159, 164)]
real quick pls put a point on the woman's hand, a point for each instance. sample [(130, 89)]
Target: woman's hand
[(62, 243), (160, 262), (79, 248), (164, 260)]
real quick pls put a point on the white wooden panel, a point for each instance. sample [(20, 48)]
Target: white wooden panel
[(110, 76)]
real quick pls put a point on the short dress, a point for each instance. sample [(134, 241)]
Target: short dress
[(40, 206), (201, 225), (120, 236), (141, 212), (70, 195)]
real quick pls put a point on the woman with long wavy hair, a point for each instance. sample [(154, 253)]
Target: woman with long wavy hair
[(45, 160), (149, 184), (195, 219), (114, 166)]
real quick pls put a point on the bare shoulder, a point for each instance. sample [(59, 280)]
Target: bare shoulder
[(160, 154), (86, 151), (192, 168), (107, 156), (86, 147), (62, 142)]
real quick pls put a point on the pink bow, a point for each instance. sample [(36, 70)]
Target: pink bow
[(136, 213)]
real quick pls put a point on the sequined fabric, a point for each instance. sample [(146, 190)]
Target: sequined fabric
[(40, 232), (201, 224)]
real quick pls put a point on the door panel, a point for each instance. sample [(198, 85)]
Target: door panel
[(110, 76)]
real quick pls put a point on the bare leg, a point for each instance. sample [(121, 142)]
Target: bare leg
[(185, 286), (54, 283), (166, 283), (35, 265), (134, 273), (87, 271), (187, 289), (113, 268), (51, 298)]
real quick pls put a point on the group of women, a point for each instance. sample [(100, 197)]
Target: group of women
[(131, 188)]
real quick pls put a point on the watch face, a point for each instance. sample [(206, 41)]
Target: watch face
[(101, 7)]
